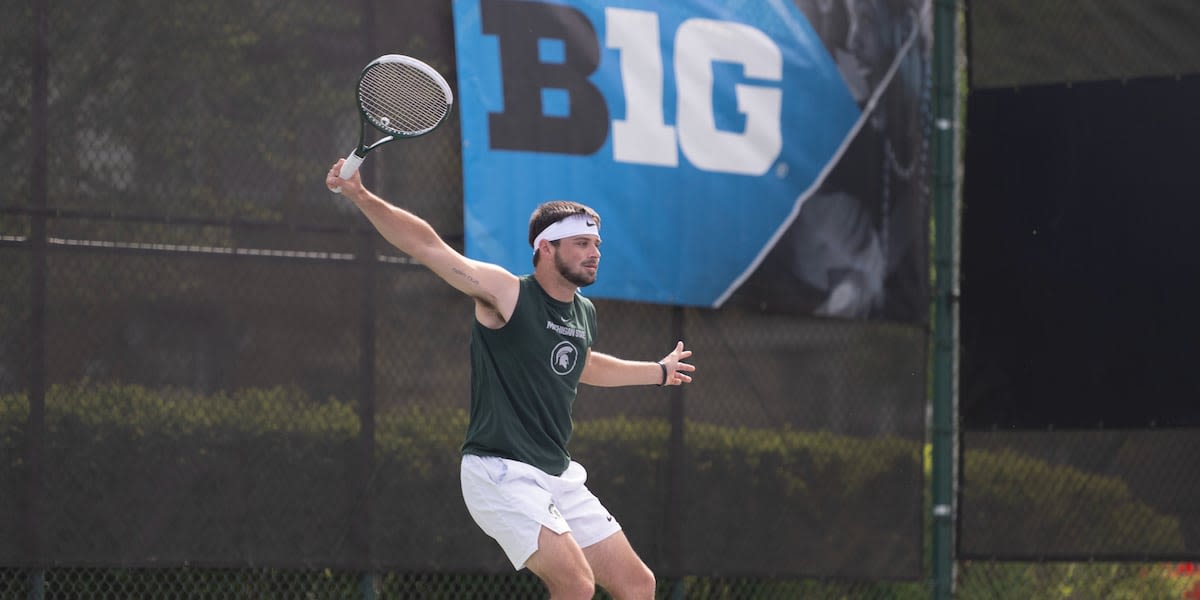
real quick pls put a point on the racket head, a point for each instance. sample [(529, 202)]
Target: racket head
[(403, 96)]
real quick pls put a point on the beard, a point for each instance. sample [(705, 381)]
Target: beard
[(579, 278)]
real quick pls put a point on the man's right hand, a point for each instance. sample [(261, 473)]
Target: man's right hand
[(336, 184)]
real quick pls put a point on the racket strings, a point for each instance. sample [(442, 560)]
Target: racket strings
[(402, 99)]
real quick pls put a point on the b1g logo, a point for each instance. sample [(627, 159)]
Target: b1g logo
[(693, 129), (546, 47)]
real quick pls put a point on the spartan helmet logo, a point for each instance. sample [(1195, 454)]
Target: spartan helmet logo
[(563, 358)]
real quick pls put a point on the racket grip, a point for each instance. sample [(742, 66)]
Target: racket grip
[(349, 168)]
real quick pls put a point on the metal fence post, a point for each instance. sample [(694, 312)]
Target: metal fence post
[(368, 585), (367, 365), (366, 408), (676, 464), (945, 326), (36, 424)]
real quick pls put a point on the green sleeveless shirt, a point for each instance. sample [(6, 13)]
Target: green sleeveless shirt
[(524, 376)]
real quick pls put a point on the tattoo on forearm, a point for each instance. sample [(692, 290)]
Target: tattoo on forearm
[(464, 275)]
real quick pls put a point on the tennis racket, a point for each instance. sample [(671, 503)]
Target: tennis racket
[(401, 97)]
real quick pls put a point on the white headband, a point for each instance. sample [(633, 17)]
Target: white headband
[(577, 224)]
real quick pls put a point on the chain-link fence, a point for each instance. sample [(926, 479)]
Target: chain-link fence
[(272, 584), (217, 381), (1018, 44), (1078, 463), (976, 581), (235, 405)]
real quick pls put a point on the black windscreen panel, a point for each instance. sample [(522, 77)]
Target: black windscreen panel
[(1081, 274), (1080, 323)]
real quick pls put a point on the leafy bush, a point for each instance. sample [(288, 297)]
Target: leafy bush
[(1058, 509), (168, 476)]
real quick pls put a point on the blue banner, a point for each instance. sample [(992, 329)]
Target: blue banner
[(695, 128)]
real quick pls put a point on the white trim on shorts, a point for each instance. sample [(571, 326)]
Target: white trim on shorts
[(511, 501)]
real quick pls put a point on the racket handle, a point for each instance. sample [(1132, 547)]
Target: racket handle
[(349, 168)]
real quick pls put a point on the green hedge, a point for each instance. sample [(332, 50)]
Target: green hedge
[(255, 462), (1034, 504)]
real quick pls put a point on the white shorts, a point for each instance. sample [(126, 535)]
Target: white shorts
[(511, 501)]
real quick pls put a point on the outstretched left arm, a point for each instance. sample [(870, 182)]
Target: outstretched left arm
[(609, 371)]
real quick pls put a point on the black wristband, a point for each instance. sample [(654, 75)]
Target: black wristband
[(664, 370)]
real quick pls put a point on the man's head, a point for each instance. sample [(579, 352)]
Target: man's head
[(555, 223), (551, 221)]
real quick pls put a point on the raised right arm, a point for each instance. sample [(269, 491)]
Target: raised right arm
[(493, 288)]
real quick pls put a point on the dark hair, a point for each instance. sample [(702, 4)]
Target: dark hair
[(549, 213)]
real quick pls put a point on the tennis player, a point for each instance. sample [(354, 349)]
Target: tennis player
[(530, 348)]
